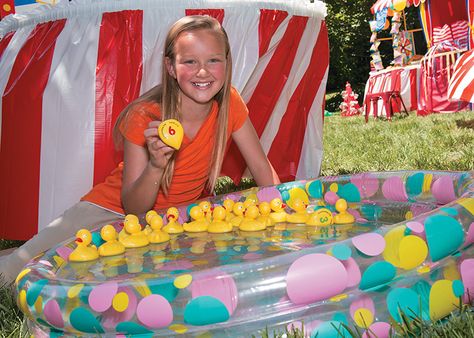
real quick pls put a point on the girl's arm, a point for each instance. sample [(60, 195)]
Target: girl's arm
[(249, 145), (142, 171)]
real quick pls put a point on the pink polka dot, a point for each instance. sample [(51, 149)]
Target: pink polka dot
[(416, 227), (353, 272), (155, 311), (100, 298), (467, 275), (370, 244), (394, 189), (331, 197), (315, 277), (443, 190), (377, 330), (362, 302), (53, 315), (470, 235), (218, 285), (251, 256), (367, 184)]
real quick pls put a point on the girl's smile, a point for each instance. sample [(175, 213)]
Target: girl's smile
[(199, 68)]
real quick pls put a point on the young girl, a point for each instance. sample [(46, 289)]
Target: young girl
[(196, 90)]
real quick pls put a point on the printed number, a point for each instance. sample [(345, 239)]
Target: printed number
[(171, 131)]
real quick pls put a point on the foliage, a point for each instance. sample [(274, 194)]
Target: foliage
[(349, 36)]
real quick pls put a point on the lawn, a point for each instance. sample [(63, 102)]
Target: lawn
[(434, 142)]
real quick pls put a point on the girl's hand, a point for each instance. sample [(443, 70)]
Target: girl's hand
[(159, 153)]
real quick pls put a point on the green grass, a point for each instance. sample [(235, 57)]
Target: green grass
[(434, 142)]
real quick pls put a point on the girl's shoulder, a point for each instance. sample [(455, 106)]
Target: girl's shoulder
[(148, 109)]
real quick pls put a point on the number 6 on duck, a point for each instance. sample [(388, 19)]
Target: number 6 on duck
[(171, 133)]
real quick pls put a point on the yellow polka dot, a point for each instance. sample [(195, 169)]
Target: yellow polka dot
[(442, 299), (334, 187), (253, 248), (338, 298), (392, 245), (22, 301), (363, 317), (142, 288), (183, 281), (427, 182), (274, 248), (204, 335), (21, 275), (74, 290), (120, 302), (178, 328), (413, 251), (200, 262), (467, 203), (451, 271), (7, 8), (39, 305), (423, 269), (409, 215), (59, 261)]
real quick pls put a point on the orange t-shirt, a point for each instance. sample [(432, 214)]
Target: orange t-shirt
[(192, 163)]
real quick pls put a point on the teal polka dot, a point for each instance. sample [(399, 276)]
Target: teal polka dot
[(205, 310), (340, 317), (371, 212), (96, 239), (423, 288), (403, 301), (450, 211), (458, 288), (349, 192), (341, 251), (34, 291), (444, 235), (377, 275), (83, 320), (133, 328), (165, 289), (285, 195), (315, 189), (414, 184)]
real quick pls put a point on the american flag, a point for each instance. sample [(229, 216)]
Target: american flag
[(67, 71)]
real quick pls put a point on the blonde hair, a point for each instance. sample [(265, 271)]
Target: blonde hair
[(167, 95)]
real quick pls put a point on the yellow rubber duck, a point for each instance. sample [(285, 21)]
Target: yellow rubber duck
[(238, 211), (265, 210), (218, 224), (135, 238), (112, 246), (157, 235), (207, 209), (228, 204), (250, 223), (84, 252), (320, 217), (250, 200), (300, 215), (173, 226), (128, 218), (278, 214), (148, 217), (343, 217), (199, 222)]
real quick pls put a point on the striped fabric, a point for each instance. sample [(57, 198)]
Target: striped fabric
[(461, 84), (456, 34), (68, 71), (380, 5)]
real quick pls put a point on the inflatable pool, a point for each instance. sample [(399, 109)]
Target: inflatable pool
[(408, 254)]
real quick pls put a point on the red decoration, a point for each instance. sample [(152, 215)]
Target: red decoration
[(350, 105), (6, 7)]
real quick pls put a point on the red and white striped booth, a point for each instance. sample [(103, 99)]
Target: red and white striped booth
[(461, 84), (67, 72)]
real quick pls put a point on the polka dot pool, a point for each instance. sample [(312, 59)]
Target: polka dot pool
[(408, 254)]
